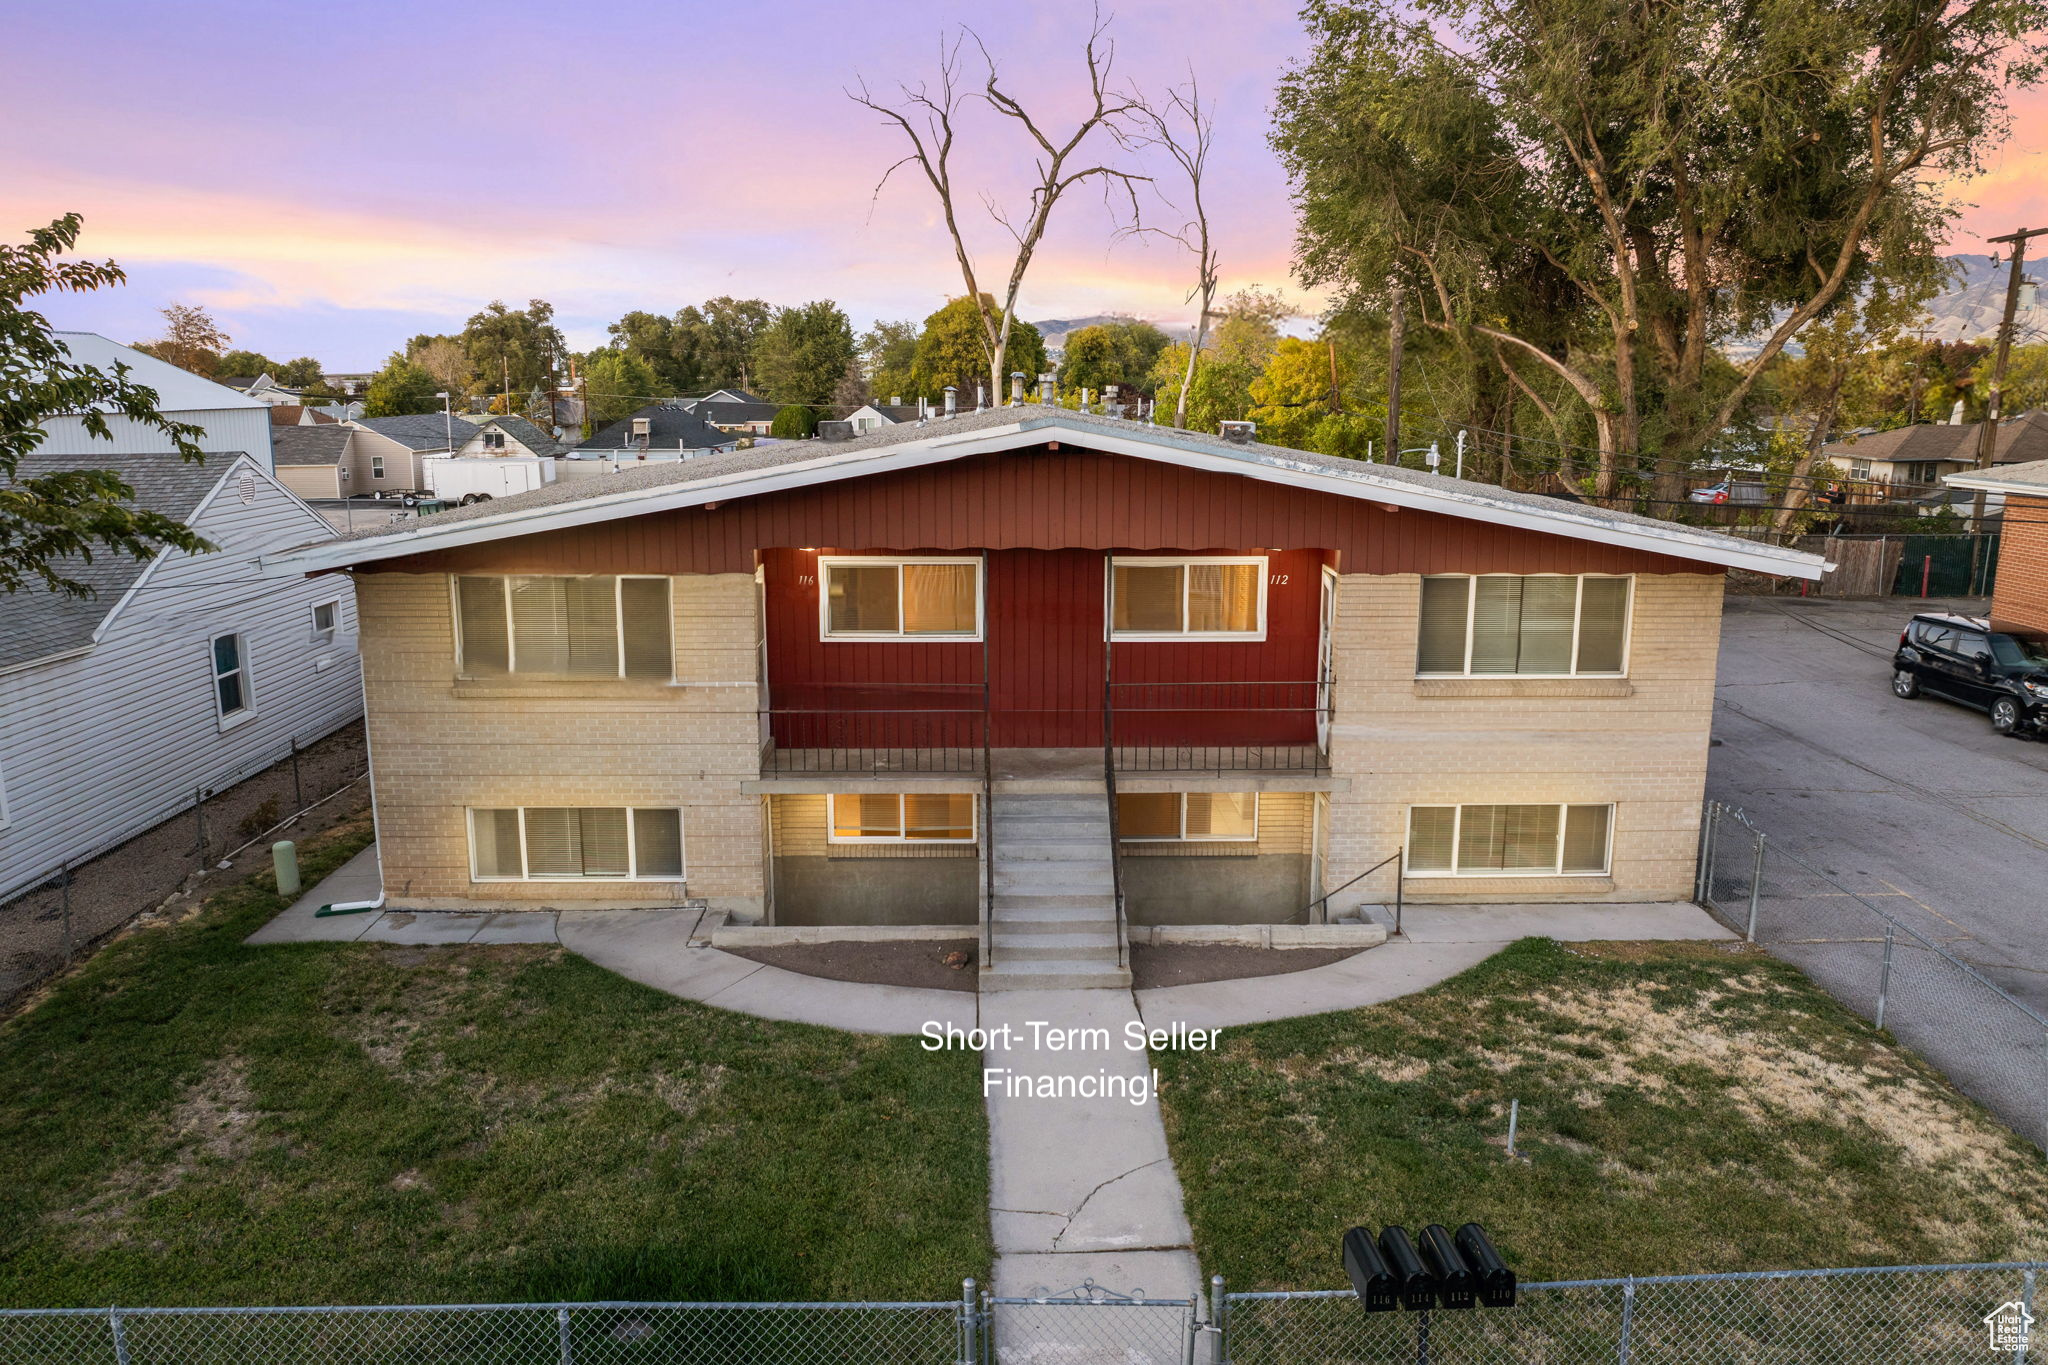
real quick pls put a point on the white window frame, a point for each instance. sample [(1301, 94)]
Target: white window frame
[(512, 639), (1556, 868), (632, 846), (1186, 838), (376, 466), (1628, 625), (1182, 635), (832, 835), (826, 563), (247, 711), (325, 635)]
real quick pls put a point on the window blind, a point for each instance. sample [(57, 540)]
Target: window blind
[(1430, 838), (862, 597), (1148, 815), (1223, 597), (1444, 604), (485, 645), (1506, 840), (1545, 643), (1544, 625), (1146, 597), (1222, 815), (938, 599), (1603, 624), (590, 615), (938, 815)]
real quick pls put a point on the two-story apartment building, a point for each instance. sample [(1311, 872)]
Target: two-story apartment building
[(1041, 672)]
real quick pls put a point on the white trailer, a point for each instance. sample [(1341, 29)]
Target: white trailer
[(456, 480)]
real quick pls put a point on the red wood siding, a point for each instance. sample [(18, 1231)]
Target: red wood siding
[(1036, 499)]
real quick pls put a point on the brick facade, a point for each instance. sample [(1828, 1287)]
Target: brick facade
[(2020, 597), (440, 745), (1639, 742)]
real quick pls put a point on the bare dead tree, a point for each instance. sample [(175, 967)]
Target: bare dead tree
[(1189, 147), (927, 116)]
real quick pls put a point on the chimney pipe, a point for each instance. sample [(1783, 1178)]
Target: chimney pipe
[(1045, 382), (1110, 405), (952, 399), (1016, 388), (980, 397)]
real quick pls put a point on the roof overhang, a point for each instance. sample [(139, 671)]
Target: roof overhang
[(1470, 502), (1989, 481)]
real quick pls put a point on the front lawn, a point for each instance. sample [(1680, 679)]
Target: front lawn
[(1684, 1108), (192, 1121)]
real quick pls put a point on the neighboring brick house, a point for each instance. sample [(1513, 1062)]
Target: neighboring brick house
[(2019, 599), (1038, 671)]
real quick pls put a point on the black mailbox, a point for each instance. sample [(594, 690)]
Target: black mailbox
[(1491, 1277), (1370, 1278), (1416, 1284), (1440, 1256)]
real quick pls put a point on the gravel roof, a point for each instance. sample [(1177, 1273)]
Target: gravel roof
[(668, 475), (36, 622)]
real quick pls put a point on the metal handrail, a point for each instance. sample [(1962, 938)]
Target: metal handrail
[(1396, 857), (1116, 847), (985, 955)]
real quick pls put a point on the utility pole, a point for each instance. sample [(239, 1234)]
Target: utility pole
[(1919, 358), (505, 363), (1987, 434), (1396, 324)]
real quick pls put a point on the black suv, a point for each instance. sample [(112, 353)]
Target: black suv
[(1963, 659)]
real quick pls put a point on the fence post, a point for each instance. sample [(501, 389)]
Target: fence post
[(120, 1336), (1628, 1320), (1422, 1337), (298, 788), (568, 1353), (967, 1322), (1713, 840), (2019, 1353), (1884, 975), (1699, 862), (1756, 886), (199, 814)]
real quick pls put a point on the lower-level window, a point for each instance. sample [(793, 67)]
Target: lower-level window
[(1157, 817), (1508, 841), (576, 843), (902, 817)]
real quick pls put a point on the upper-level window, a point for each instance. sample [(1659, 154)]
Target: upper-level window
[(1542, 625), (1205, 598), (1159, 817), (230, 676), (902, 818), (600, 626), (882, 599), (494, 440), (1508, 841)]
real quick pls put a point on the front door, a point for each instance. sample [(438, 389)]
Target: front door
[(1045, 648)]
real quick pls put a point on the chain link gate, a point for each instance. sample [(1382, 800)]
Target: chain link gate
[(1992, 1045), (1089, 1325)]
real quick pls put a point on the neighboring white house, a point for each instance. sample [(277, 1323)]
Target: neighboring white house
[(497, 437), (263, 389), (875, 416), (181, 672), (234, 423)]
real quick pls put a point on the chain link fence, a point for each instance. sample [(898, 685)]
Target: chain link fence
[(1911, 1315), (1992, 1045), (1891, 1316), (83, 901)]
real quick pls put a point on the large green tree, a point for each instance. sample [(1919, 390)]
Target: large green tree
[(617, 383), (1662, 179), (722, 334), (192, 340), (888, 355), (1120, 353), (952, 350), (401, 388), (50, 521), (247, 364), (515, 348), (801, 356), (299, 374)]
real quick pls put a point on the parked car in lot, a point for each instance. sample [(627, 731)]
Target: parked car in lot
[(1962, 659)]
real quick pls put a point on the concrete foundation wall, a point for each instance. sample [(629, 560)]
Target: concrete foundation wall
[(877, 891), (1265, 888), (1639, 742), (440, 744)]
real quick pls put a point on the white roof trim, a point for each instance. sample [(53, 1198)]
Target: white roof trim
[(1990, 482), (941, 446)]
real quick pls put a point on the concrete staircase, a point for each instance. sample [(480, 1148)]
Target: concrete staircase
[(1053, 924)]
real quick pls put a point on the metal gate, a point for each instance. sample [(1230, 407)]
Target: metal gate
[(1088, 1325)]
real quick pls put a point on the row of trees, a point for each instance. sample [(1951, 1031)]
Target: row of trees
[(193, 341)]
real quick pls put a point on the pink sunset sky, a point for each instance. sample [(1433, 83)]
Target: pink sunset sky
[(331, 180)]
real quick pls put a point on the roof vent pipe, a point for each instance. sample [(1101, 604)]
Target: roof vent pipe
[(952, 399), (1045, 382), (1239, 433), (896, 401), (1016, 388), (1110, 403), (980, 397)]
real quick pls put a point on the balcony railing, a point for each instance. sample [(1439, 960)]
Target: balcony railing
[(960, 730)]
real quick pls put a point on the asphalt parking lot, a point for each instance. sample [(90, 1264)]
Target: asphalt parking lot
[(1917, 803)]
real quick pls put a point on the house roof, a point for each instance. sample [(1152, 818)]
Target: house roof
[(2021, 438), (2027, 480), (526, 433), (309, 445), (669, 427), (895, 412), (36, 622), (726, 396), (753, 410), (176, 390), (294, 414), (773, 467), (420, 430)]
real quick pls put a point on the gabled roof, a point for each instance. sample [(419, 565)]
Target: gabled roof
[(526, 433), (309, 445), (792, 464), (2021, 438), (420, 430), (2027, 480), (895, 412), (297, 414), (35, 622), (669, 427), (176, 390), (726, 396), (752, 410)]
